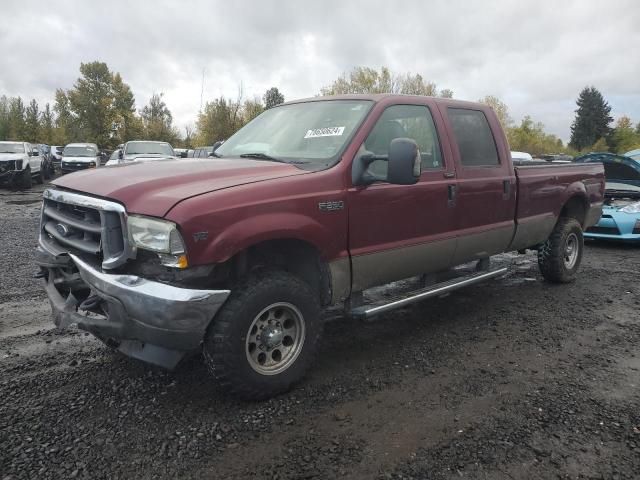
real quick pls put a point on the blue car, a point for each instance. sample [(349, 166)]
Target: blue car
[(620, 219)]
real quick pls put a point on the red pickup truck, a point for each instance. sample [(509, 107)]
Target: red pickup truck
[(309, 205)]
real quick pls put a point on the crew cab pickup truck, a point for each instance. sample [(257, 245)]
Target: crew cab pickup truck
[(307, 206), (20, 164)]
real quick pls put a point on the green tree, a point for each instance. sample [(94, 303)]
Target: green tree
[(251, 109), (46, 125), (369, 80), (219, 119), (64, 131), (91, 101), (624, 136), (157, 120), (272, 97), (592, 119), (530, 137), (4, 117), (16, 119), (501, 109), (126, 125), (415, 85), (32, 122), (446, 93)]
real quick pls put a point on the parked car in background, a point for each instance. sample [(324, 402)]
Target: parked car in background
[(635, 154), (620, 219), (80, 156), (181, 152), (142, 151), (521, 156), (56, 155), (48, 169), (205, 152), (308, 205), (20, 164)]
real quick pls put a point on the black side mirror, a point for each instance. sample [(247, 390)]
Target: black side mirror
[(404, 162), (120, 155)]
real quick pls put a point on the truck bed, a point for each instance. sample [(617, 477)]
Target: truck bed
[(545, 188)]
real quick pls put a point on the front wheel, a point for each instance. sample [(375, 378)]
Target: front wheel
[(560, 256), (39, 176), (265, 336), (25, 181)]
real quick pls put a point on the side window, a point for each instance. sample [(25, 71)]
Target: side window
[(405, 121), (474, 138)]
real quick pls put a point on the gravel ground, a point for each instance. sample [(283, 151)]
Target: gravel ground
[(510, 379)]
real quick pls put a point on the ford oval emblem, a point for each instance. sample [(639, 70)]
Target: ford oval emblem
[(62, 229)]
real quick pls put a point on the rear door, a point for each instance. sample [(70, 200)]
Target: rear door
[(397, 231), (486, 186)]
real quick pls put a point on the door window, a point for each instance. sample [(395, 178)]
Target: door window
[(474, 138), (405, 121)]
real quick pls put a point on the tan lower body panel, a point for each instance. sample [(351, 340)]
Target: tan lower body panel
[(533, 231), (340, 271), (399, 263), (483, 244)]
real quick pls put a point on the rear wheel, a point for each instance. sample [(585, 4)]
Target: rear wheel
[(560, 256), (265, 336)]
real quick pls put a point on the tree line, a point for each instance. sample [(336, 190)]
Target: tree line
[(100, 108)]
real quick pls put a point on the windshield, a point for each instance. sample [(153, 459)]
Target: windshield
[(79, 152), (311, 132), (148, 148), (11, 148)]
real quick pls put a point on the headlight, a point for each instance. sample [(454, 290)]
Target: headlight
[(18, 164), (632, 208), (158, 236)]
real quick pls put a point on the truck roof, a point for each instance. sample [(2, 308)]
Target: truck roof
[(378, 97)]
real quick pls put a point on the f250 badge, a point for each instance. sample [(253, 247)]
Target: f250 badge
[(331, 206), (200, 236)]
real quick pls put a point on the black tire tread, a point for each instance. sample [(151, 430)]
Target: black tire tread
[(219, 353), (551, 253)]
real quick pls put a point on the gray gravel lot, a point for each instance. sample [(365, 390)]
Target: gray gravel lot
[(506, 380)]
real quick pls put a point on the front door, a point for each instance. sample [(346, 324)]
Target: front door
[(398, 231)]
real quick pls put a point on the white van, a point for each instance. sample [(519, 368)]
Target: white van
[(80, 156)]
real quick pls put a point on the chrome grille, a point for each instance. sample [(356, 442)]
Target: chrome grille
[(80, 224)]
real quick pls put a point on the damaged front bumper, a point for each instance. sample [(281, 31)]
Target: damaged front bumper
[(151, 321)]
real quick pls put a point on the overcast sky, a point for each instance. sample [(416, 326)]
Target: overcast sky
[(535, 55)]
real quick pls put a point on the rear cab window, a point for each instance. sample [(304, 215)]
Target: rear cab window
[(474, 138)]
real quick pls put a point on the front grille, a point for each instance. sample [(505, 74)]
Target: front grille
[(86, 225), (604, 230), (72, 166), (7, 166)]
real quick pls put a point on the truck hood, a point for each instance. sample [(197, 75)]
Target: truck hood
[(154, 188), (11, 156)]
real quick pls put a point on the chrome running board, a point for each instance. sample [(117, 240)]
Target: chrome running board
[(368, 311)]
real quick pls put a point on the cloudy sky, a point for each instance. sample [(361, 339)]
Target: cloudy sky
[(535, 55)]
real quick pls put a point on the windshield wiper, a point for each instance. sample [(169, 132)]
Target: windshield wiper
[(264, 156)]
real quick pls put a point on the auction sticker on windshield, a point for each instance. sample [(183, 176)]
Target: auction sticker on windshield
[(325, 132)]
